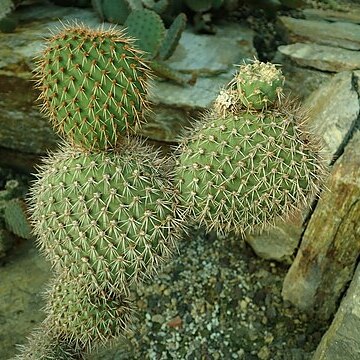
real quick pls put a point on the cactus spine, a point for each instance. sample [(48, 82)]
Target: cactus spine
[(251, 159), (104, 207)]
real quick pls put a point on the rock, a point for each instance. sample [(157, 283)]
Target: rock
[(330, 246), (338, 34), (299, 81), (322, 57), (23, 276), (334, 110), (352, 14), (23, 128), (278, 243), (342, 340)]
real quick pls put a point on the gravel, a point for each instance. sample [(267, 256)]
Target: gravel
[(217, 300)]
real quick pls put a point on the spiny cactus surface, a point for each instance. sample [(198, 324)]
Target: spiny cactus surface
[(43, 346), (85, 320), (258, 85), (111, 218), (241, 171), (93, 85)]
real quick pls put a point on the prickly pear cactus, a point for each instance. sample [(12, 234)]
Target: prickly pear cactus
[(240, 169), (93, 86), (105, 212), (111, 218), (147, 27), (85, 320), (44, 346), (115, 11)]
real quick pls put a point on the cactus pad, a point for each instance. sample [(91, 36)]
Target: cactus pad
[(111, 218), (172, 37), (241, 172), (85, 320), (258, 85), (93, 86), (147, 27)]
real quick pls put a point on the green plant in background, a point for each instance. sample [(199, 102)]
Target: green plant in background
[(252, 159), (144, 23), (104, 207), (13, 215), (147, 27)]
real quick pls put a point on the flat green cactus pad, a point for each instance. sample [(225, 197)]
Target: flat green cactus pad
[(172, 37), (148, 29), (93, 86), (85, 320)]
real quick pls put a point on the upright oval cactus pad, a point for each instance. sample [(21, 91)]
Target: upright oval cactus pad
[(111, 218), (93, 86), (239, 172)]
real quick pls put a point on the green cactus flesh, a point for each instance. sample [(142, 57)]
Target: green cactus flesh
[(240, 172), (85, 320), (93, 86), (147, 27), (258, 85), (111, 218), (158, 6), (172, 37)]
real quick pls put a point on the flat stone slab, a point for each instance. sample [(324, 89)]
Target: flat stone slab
[(351, 14), (342, 340), (300, 81), (334, 110), (330, 247), (338, 34), (322, 57)]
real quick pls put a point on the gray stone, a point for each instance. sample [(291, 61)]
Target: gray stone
[(322, 57), (339, 34), (278, 243), (334, 110), (23, 277), (342, 340), (330, 246), (300, 82), (352, 14)]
